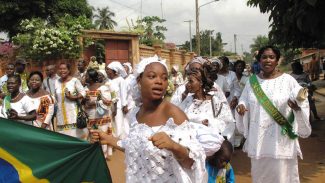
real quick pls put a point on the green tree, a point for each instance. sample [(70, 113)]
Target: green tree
[(13, 12), (152, 30), (39, 40), (295, 23), (216, 43), (259, 42), (104, 19), (248, 57)]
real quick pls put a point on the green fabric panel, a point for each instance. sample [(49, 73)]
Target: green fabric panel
[(54, 156)]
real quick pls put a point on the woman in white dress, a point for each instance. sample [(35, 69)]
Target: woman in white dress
[(17, 106), (212, 109), (181, 92), (241, 80), (128, 80), (161, 145), (219, 79), (98, 105), (271, 142), (232, 82), (68, 90), (176, 77), (115, 72), (41, 100)]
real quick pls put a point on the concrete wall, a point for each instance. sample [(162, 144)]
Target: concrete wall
[(172, 56)]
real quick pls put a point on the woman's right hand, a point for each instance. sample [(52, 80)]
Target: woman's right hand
[(102, 137), (241, 109)]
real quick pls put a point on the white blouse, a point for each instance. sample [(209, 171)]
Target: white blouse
[(22, 107), (216, 111), (67, 109), (233, 85), (263, 135), (222, 83), (120, 87), (147, 163)]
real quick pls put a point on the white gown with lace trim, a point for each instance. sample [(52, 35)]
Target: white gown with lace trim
[(147, 163)]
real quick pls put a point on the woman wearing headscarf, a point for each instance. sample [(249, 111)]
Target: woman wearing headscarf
[(176, 76), (181, 92), (162, 145), (116, 72), (232, 82), (205, 106), (128, 80), (218, 79), (271, 114), (98, 105)]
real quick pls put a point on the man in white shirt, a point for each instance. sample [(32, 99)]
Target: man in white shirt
[(49, 81)]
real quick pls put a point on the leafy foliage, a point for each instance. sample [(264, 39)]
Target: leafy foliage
[(151, 30), (295, 23), (13, 12), (39, 40), (216, 43), (104, 19), (259, 42)]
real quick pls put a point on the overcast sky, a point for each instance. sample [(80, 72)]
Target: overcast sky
[(226, 16)]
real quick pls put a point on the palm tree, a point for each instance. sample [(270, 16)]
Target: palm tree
[(104, 19)]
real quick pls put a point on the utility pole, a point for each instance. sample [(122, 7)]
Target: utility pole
[(161, 6), (235, 40), (190, 30), (197, 28), (141, 10), (210, 35)]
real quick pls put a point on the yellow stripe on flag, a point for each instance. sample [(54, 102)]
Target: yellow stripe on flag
[(25, 173)]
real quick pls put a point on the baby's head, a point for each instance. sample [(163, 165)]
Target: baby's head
[(220, 158)]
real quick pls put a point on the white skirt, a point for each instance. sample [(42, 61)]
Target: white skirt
[(270, 170)]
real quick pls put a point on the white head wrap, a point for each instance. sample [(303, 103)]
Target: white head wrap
[(199, 60), (128, 64), (103, 72), (217, 61), (118, 68), (139, 69)]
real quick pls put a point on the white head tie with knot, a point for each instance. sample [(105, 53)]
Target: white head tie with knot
[(118, 68), (128, 64), (146, 61), (215, 60), (139, 69), (198, 60)]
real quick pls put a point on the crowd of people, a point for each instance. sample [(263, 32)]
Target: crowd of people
[(189, 137)]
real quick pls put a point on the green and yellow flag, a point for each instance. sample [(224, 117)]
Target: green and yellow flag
[(33, 155)]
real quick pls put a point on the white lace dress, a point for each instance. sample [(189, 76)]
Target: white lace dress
[(216, 111), (146, 163), (265, 144)]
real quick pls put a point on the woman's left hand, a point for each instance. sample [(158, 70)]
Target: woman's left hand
[(293, 105), (162, 141)]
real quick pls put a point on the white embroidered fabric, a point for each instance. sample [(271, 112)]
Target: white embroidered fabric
[(147, 163), (263, 134), (220, 119)]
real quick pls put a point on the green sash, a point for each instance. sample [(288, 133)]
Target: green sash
[(286, 124)]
